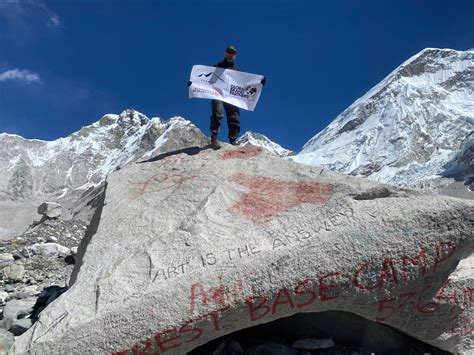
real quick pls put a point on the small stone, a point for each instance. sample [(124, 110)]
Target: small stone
[(74, 250), (32, 290), (31, 282), (9, 288), (52, 239), (14, 272), (49, 249), (17, 256), (4, 257), (50, 209), (311, 344), (22, 295), (3, 297), (36, 276)]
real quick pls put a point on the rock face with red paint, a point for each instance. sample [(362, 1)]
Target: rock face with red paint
[(188, 247)]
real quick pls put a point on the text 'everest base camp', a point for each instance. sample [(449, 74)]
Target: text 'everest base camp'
[(186, 244)]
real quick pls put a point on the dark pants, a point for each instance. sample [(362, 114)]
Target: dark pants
[(233, 118)]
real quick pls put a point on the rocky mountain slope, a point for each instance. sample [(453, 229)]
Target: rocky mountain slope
[(407, 130), (39, 169), (67, 169)]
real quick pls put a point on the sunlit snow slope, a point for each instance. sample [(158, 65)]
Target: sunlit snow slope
[(409, 128)]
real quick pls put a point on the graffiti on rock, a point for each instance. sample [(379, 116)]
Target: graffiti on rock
[(268, 198)]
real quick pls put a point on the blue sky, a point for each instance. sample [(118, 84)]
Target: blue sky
[(66, 63)]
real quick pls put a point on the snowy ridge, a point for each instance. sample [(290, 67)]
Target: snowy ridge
[(407, 128), (38, 169), (257, 139)]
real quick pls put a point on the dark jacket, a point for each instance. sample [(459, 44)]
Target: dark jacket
[(227, 65)]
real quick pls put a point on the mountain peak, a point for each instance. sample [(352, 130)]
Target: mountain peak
[(407, 128), (258, 139), (132, 117)]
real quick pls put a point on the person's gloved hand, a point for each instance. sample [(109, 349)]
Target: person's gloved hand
[(263, 81), (189, 83)]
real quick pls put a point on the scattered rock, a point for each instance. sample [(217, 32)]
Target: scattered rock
[(9, 288), (311, 344), (50, 209), (52, 239), (5, 257), (22, 295), (49, 249), (13, 272), (36, 276), (18, 256), (20, 326)]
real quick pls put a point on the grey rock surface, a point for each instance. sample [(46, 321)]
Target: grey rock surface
[(6, 341), (14, 314), (187, 247), (50, 209)]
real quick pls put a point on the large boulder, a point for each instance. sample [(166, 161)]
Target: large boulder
[(192, 245)]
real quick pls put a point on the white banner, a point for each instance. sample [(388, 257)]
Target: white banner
[(234, 87)]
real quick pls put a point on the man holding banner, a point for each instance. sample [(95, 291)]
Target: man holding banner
[(229, 89)]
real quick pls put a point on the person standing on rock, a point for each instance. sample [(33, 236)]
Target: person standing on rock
[(218, 107)]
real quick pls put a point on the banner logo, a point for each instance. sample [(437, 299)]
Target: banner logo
[(209, 74), (243, 91)]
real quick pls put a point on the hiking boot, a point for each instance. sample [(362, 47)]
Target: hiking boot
[(215, 143), (233, 141)]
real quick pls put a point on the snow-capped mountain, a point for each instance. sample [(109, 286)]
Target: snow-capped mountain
[(408, 129), (66, 170), (257, 139), (51, 169)]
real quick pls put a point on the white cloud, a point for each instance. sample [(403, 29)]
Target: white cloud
[(21, 12), (20, 75), (55, 20), (50, 17)]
